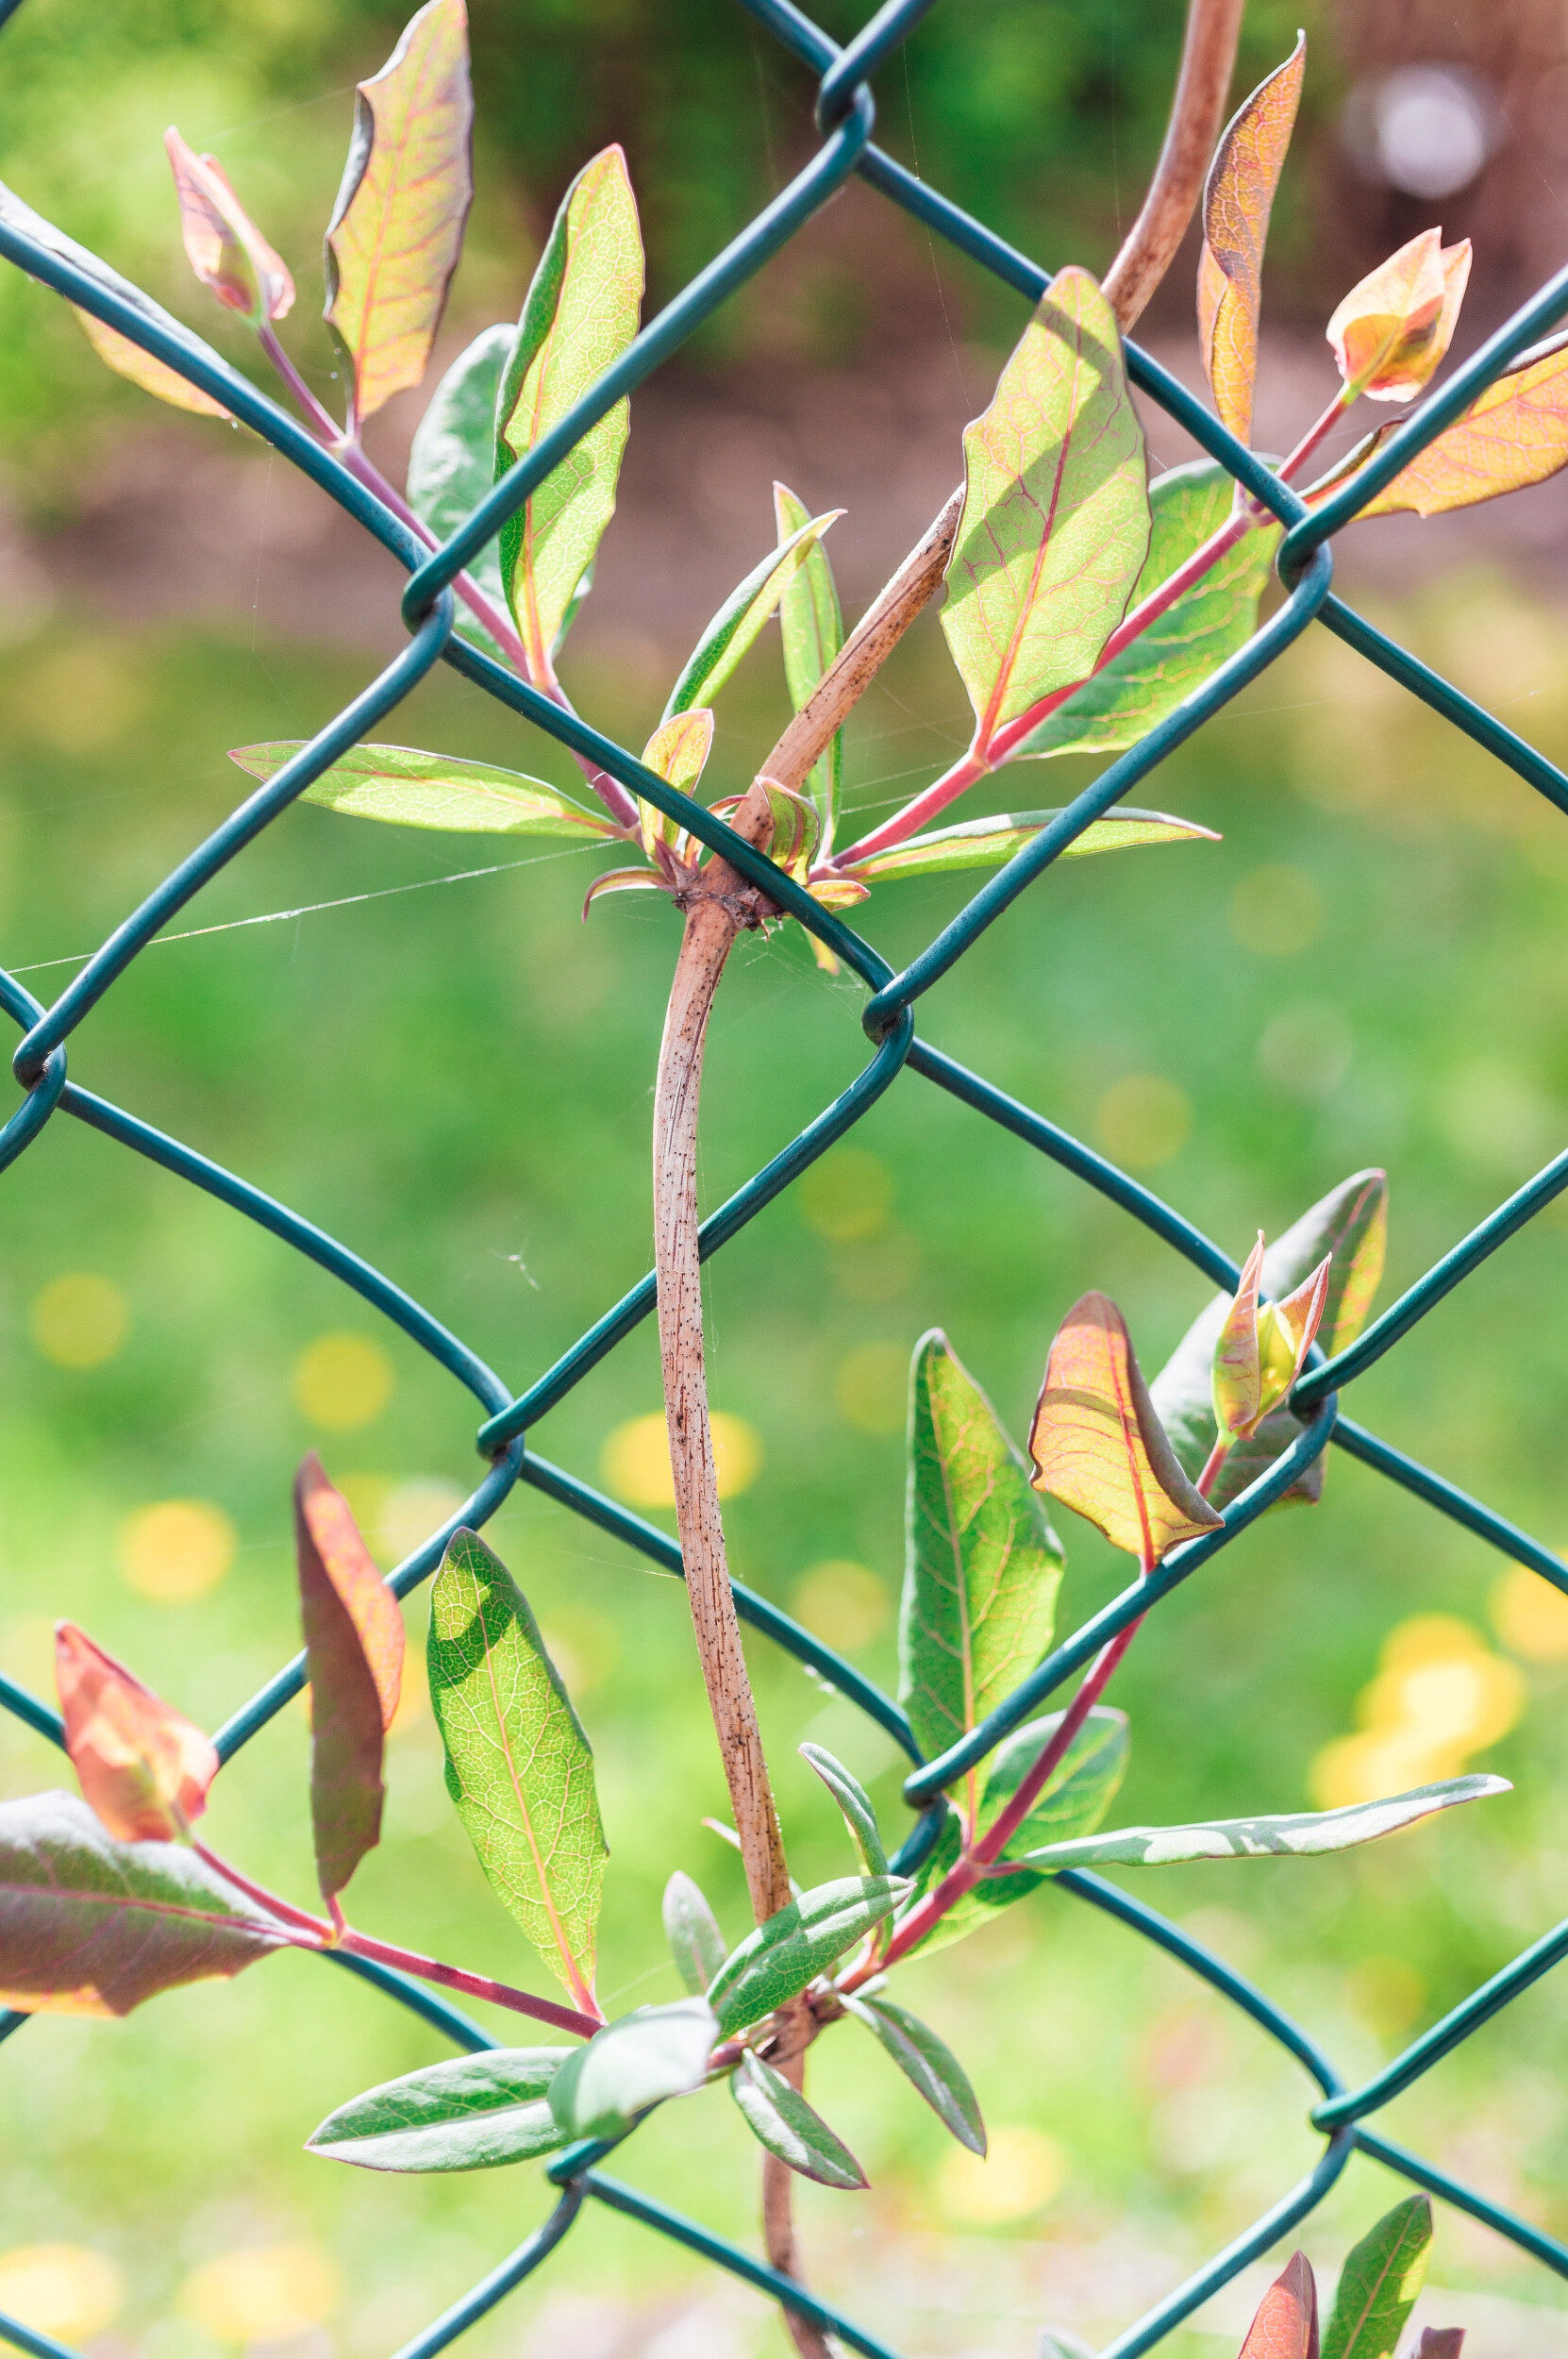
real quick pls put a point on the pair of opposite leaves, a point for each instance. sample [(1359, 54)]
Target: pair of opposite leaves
[(146, 1770)]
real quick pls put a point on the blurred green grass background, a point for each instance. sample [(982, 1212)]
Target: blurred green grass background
[(455, 1081)]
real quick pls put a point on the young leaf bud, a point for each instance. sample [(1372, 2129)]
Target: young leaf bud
[(223, 244), (1390, 332), (143, 1768)]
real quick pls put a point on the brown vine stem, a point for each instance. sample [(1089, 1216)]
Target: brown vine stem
[(1149, 248)]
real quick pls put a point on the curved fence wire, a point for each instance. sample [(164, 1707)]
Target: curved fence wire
[(845, 113)]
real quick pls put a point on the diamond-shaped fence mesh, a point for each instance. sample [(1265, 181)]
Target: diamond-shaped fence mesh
[(845, 116)]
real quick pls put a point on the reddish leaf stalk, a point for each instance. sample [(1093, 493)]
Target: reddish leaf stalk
[(981, 759), (1213, 1464), (316, 1933), (621, 806)]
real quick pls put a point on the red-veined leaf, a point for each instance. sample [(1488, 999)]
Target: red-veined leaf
[(397, 227), (1097, 1444), (1237, 1378), (1237, 201), (354, 1657), (578, 316), (1286, 2326), (223, 244), (1392, 330), (1056, 515), (1514, 434), (154, 376), (89, 1926), (987, 842), (144, 1767)]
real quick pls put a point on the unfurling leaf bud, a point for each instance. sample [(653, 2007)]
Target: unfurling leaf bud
[(1390, 332), (223, 244), (1261, 1346)]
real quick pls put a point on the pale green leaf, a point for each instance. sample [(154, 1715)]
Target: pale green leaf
[(646, 2056), (982, 1565), (89, 1926), (1077, 1796), (692, 1932), (777, 1961), (1380, 2282), (737, 622), (1191, 639), (518, 1765), (928, 2063), (470, 2113), (677, 751), (397, 227), (812, 625), (1056, 515), (1351, 1223), (779, 2118), (452, 462), (579, 315), (411, 789), (1300, 1834), (856, 1805), (988, 842)]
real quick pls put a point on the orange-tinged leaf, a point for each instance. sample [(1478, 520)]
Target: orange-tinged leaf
[(142, 368), (1097, 1444), (397, 227), (1056, 513), (1237, 1375), (622, 880), (1390, 332), (1237, 201), (354, 1656), (678, 750), (144, 1767), (1514, 434), (223, 244), (1286, 2326)]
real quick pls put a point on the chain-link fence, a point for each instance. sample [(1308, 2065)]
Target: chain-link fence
[(845, 114)]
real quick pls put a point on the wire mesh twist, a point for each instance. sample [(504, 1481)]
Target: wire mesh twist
[(845, 117)]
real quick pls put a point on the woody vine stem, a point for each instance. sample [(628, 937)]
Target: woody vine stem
[(717, 908)]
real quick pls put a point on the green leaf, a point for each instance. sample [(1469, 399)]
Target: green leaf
[(1191, 639), (646, 2056), (779, 2118), (982, 1565), (452, 462), (740, 619), (1380, 2282), (410, 789), (929, 2063), (468, 2114), (579, 315), (812, 625), (987, 842), (1056, 513), (518, 1766), (1077, 1794), (397, 227), (1351, 1223), (1299, 1834), (354, 1660), (692, 1932), (89, 1926), (777, 1961), (856, 1805)]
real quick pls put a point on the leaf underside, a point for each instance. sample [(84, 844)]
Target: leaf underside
[(1237, 202), (811, 627), (1286, 2326), (397, 226), (692, 1932), (1300, 1834), (655, 2054), (1514, 434), (518, 1765), (987, 842), (409, 788), (354, 1660), (452, 463)]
